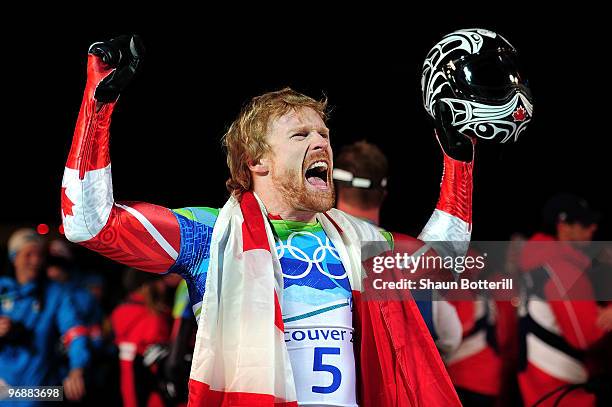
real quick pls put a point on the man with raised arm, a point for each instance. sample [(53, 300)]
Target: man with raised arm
[(275, 276)]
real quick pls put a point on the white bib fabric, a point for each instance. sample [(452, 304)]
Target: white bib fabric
[(323, 365)]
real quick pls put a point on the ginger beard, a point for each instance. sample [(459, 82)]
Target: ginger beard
[(310, 189)]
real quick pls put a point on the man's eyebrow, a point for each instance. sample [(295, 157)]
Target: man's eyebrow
[(306, 129)]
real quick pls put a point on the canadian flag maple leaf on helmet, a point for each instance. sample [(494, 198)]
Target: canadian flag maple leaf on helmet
[(472, 82), (519, 114)]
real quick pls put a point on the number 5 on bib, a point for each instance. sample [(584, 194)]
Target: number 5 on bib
[(319, 366)]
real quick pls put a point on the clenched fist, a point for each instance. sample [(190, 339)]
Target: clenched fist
[(122, 56)]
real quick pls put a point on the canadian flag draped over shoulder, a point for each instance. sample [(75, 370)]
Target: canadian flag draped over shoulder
[(240, 354)]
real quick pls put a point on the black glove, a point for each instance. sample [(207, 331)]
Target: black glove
[(454, 144), (155, 354), (125, 54)]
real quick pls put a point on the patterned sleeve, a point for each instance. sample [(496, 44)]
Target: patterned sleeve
[(196, 226)]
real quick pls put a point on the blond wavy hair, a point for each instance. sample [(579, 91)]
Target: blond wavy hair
[(245, 140)]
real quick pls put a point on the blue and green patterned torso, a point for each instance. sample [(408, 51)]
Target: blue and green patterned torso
[(312, 270)]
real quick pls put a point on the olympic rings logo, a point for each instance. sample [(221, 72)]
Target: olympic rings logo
[(319, 255)]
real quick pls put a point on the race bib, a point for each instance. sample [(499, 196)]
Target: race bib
[(323, 365)]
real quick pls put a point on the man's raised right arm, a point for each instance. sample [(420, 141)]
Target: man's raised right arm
[(140, 235)]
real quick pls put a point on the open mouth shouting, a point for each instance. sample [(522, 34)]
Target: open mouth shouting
[(317, 174)]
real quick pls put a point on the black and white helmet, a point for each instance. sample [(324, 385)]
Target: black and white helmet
[(473, 77)]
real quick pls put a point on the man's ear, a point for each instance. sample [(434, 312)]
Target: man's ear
[(260, 166)]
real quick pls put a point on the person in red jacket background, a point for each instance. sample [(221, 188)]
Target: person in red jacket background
[(142, 329), (558, 321), (476, 366)]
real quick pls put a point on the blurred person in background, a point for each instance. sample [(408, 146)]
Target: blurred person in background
[(483, 368), (361, 174), (62, 269), (602, 353), (182, 342), (557, 332), (142, 332), (103, 383), (475, 368), (507, 323), (34, 312)]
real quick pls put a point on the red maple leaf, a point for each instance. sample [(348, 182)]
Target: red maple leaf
[(67, 204), (519, 114)]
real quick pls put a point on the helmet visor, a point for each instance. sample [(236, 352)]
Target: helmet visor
[(490, 76)]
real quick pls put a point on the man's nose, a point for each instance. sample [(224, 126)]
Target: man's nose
[(320, 142)]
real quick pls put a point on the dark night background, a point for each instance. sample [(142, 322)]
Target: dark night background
[(165, 147)]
